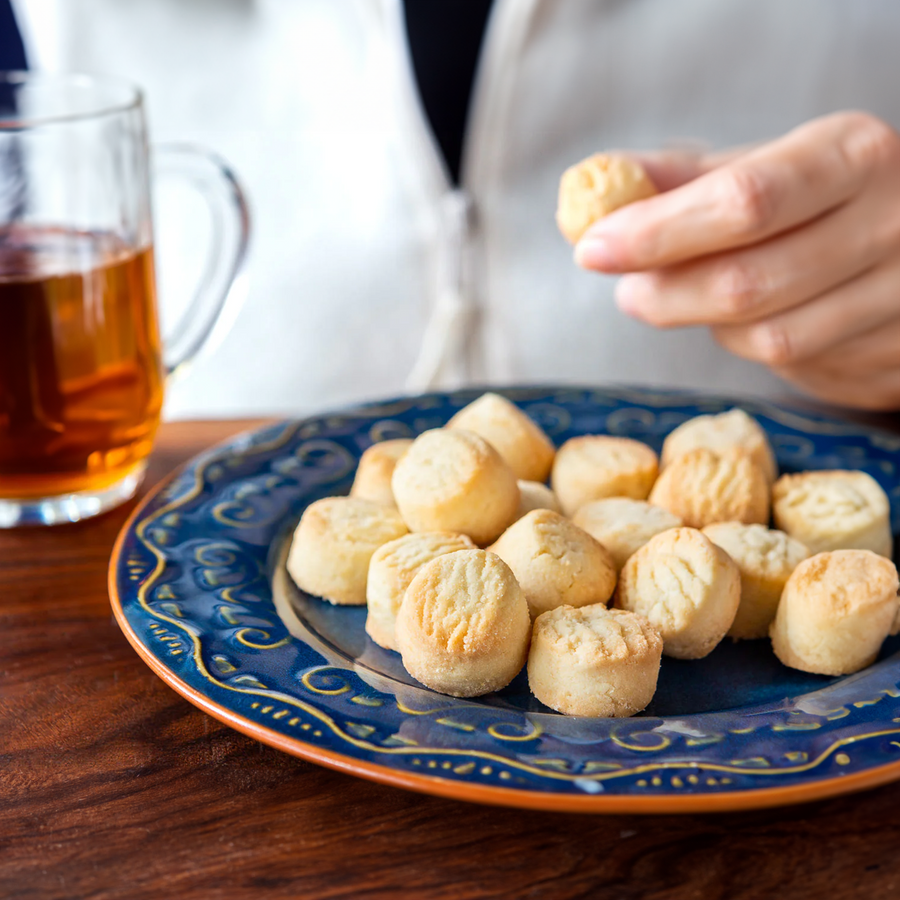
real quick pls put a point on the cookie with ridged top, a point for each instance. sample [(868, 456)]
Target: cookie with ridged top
[(463, 627), (334, 542), (594, 661), (726, 431), (392, 569), (834, 510), (702, 487), (686, 586), (555, 562), (624, 525), (765, 558)]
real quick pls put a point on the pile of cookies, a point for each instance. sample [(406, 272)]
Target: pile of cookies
[(471, 566)]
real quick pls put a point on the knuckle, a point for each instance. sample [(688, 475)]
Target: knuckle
[(749, 197), (737, 290)]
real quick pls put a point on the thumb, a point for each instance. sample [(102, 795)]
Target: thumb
[(670, 169)]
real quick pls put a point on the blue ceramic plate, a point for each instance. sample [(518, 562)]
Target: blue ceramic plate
[(198, 586)]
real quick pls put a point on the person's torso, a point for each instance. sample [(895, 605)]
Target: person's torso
[(360, 241)]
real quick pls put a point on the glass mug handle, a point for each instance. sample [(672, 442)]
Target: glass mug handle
[(222, 282)]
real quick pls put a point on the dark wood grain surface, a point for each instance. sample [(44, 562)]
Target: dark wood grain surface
[(112, 786)]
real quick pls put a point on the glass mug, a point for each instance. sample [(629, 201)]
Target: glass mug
[(82, 368)]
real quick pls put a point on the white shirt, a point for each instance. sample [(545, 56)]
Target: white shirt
[(367, 276)]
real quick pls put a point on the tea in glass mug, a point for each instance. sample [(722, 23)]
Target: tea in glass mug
[(82, 367)]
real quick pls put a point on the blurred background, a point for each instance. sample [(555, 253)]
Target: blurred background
[(376, 266)]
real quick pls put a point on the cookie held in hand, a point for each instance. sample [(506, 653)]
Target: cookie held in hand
[(595, 187)]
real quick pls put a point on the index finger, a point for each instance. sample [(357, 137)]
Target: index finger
[(794, 179)]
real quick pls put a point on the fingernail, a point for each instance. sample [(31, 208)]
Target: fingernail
[(595, 253)]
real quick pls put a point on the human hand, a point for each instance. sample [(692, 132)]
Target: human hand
[(789, 252)]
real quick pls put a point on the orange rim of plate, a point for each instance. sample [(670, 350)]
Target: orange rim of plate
[(657, 804)]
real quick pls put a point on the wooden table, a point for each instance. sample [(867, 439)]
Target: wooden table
[(112, 786)]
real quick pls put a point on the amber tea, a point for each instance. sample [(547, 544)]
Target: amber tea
[(81, 380)]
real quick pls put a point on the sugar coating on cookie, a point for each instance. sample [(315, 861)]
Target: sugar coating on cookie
[(333, 544), (595, 466), (463, 627), (702, 487), (836, 610), (726, 431), (517, 438), (765, 558), (375, 470), (834, 510), (555, 562), (624, 525), (594, 661), (391, 570), (453, 480), (686, 586), (534, 495), (595, 187)]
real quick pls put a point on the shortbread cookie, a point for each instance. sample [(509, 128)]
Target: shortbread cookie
[(517, 438), (834, 510), (624, 525), (765, 559), (463, 627), (595, 187), (686, 586), (596, 466), (534, 495), (555, 562), (836, 610), (453, 480), (726, 431), (703, 487), (594, 661), (375, 470), (333, 543), (392, 568)]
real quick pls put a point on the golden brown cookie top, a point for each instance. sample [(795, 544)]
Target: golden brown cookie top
[(765, 551), (845, 581), (442, 460), (463, 602), (353, 519), (517, 438), (726, 431), (831, 498), (703, 487), (594, 634)]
